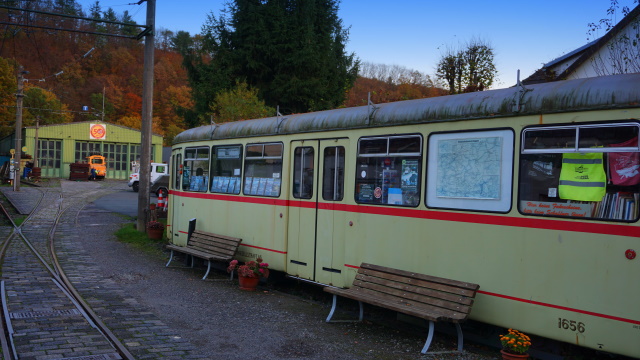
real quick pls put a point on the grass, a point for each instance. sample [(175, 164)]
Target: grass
[(130, 235)]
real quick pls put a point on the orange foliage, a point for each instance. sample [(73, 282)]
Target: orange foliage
[(383, 92)]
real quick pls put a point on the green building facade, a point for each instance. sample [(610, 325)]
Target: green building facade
[(60, 145)]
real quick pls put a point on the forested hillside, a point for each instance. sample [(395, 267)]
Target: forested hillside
[(70, 70)]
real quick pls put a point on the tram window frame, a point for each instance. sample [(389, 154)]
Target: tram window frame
[(262, 159), (196, 157), (564, 168), (380, 166), (177, 171), (303, 176), (226, 172), (444, 194), (333, 173)]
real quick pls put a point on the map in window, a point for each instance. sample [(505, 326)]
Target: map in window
[(469, 168)]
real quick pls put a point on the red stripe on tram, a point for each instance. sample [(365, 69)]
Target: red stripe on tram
[(500, 220), (604, 316)]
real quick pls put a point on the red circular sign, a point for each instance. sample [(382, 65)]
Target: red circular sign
[(98, 131)]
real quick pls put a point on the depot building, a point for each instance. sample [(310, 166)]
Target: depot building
[(62, 144)]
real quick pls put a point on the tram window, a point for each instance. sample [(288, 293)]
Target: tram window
[(177, 171), (195, 169), (226, 165), (596, 176), (470, 170), (303, 172), (333, 174), (263, 169), (388, 170)]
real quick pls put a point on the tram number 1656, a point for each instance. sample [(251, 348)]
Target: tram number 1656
[(571, 325)]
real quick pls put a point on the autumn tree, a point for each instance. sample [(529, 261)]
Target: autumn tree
[(239, 103), (291, 51), (45, 105), (469, 69)]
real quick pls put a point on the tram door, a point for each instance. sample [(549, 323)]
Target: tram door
[(315, 248)]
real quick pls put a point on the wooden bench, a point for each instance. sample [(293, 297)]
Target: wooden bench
[(207, 246), (431, 298)]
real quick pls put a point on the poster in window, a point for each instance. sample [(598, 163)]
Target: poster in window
[(276, 187), (365, 193), (225, 184), (261, 186), (215, 187), (268, 188), (247, 184), (254, 186), (409, 175)]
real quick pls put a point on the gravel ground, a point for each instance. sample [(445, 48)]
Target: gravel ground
[(276, 322)]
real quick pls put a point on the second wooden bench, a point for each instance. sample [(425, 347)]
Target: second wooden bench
[(207, 246), (428, 297)]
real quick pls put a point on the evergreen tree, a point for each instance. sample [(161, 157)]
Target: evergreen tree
[(292, 51)]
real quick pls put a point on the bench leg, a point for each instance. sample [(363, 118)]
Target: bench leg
[(460, 338), (208, 269), (170, 258), (429, 338), (333, 309)]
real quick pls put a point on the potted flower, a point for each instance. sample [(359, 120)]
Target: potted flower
[(155, 230), (250, 272), (515, 345)]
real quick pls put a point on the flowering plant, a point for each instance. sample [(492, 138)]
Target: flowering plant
[(155, 225), (515, 342), (251, 268)]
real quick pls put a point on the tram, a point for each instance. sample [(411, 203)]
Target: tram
[(531, 192)]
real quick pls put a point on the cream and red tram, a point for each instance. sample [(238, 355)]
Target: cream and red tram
[(530, 192)]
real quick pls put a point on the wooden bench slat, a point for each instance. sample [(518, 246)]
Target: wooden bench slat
[(435, 279), (418, 286), (385, 291)]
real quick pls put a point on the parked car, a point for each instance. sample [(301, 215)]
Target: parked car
[(158, 170)]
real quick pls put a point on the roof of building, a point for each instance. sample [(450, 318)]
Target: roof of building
[(584, 53)]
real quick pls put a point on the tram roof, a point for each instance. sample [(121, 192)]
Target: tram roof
[(597, 93)]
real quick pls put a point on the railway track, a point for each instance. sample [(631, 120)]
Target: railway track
[(42, 314)]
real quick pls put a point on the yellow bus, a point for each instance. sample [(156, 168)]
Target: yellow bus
[(531, 192)]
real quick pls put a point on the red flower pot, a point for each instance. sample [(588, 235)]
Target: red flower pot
[(509, 356), (248, 283)]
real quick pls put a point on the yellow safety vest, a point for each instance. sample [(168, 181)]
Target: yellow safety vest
[(582, 177)]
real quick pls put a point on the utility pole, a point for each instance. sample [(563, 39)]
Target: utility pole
[(35, 150), (18, 148), (147, 117)]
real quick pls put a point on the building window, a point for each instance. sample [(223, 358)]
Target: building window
[(195, 169), (49, 153), (85, 148), (581, 171), (388, 170), (263, 169), (226, 169)]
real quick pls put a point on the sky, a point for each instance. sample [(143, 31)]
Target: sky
[(416, 33)]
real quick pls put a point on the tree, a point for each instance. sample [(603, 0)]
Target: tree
[(240, 103), (41, 103), (469, 69), (623, 55), (293, 51)]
